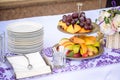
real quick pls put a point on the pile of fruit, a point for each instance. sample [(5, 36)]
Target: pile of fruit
[(80, 46), (76, 23)]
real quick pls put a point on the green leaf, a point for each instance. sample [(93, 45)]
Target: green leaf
[(106, 20)]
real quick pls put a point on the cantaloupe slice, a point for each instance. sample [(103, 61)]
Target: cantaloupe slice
[(84, 48), (82, 30), (89, 41), (77, 40), (92, 38)]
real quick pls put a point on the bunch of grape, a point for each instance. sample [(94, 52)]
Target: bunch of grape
[(79, 19)]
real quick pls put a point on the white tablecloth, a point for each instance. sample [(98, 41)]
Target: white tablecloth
[(52, 36)]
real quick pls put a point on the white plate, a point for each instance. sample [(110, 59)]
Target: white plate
[(25, 35), (25, 51), (23, 27)]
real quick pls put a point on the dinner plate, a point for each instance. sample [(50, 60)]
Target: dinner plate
[(101, 49), (21, 35), (25, 51), (95, 29), (24, 27)]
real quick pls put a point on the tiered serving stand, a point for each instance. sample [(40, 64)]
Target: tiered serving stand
[(95, 29)]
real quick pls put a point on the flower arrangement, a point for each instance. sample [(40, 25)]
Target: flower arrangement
[(110, 21)]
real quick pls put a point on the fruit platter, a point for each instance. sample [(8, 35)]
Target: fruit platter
[(81, 47), (77, 23)]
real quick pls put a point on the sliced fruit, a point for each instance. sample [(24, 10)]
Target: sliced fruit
[(89, 41), (76, 48), (63, 25), (69, 47), (77, 40), (85, 55), (67, 43), (93, 49), (76, 28), (93, 38), (63, 40), (77, 55), (70, 29), (90, 53), (82, 30), (70, 53), (96, 44), (84, 48)]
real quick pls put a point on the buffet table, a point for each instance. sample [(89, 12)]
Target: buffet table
[(92, 69)]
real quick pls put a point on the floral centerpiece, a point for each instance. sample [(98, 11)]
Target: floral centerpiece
[(109, 21)]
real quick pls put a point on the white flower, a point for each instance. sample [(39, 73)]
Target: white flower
[(116, 21), (106, 29), (103, 14)]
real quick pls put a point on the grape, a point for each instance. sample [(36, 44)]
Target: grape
[(88, 21), (76, 19), (86, 27), (75, 15), (82, 19), (82, 14), (90, 27), (73, 22), (81, 24), (64, 18), (69, 18), (67, 23)]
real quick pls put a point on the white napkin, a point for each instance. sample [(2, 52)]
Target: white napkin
[(20, 65)]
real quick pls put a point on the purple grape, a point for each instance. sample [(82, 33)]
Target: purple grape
[(86, 27), (69, 18), (88, 21), (64, 18), (73, 22), (90, 27), (82, 14), (81, 24), (76, 19), (75, 15), (67, 23), (82, 19)]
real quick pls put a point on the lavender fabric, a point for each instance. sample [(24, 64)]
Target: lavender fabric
[(109, 56)]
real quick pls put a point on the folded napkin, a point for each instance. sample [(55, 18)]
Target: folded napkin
[(20, 65)]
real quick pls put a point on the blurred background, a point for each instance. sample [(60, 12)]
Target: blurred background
[(15, 9)]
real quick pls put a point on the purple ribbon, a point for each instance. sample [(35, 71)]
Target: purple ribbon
[(113, 3)]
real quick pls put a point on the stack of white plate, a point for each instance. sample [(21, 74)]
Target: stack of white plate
[(25, 37)]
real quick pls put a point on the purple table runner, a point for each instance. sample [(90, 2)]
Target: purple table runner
[(109, 56)]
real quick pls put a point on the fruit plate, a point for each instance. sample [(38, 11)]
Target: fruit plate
[(95, 29), (100, 52)]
